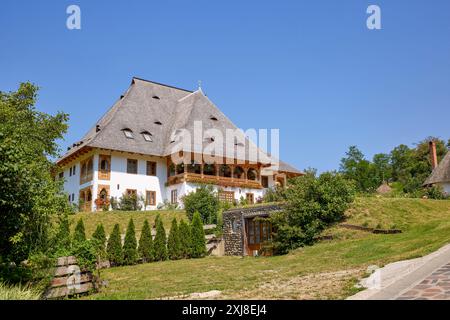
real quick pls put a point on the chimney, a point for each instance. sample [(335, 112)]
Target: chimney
[(433, 155)]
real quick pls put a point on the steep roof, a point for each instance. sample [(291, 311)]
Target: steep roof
[(441, 173), (146, 104)]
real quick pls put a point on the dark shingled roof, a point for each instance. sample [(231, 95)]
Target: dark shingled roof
[(441, 173), (144, 104)]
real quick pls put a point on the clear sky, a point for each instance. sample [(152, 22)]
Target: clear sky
[(310, 68)]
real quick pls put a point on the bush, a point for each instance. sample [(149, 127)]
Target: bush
[(79, 235), (198, 248), (146, 243), (114, 247), (130, 202), (167, 205), (204, 201), (185, 239), (129, 247), (275, 194), (99, 236), (311, 204), (173, 243), (159, 244), (86, 253), (62, 239), (435, 192)]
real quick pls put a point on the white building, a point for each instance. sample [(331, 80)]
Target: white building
[(133, 147)]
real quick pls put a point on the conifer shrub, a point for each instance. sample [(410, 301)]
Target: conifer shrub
[(99, 238), (130, 245), (114, 247), (160, 241), (184, 231), (198, 247), (145, 249), (80, 234), (173, 242)]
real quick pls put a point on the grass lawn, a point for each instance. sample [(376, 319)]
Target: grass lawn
[(109, 219), (326, 270)]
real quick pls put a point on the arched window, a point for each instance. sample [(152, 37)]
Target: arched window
[(83, 169), (103, 194), (252, 174), (90, 166), (239, 173), (194, 168), (180, 168), (209, 169), (225, 171)]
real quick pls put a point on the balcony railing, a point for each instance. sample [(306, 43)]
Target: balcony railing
[(216, 180)]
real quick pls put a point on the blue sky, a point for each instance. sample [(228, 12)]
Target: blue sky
[(310, 68)]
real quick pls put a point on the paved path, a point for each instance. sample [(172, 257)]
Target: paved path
[(422, 278)]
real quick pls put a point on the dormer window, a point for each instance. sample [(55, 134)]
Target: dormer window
[(155, 97), (213, 118), (158, 123), (128, 133), (147, 136)]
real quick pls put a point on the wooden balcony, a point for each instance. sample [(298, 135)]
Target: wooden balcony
[(216, 180)]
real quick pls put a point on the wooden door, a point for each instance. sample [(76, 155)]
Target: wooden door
[(258, 232)]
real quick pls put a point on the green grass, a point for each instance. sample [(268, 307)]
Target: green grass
[(426, 226), (109, 219), (18, 293)]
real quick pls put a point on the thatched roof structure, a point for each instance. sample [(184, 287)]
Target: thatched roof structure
[(441, 173)]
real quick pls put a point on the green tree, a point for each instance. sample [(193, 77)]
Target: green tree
[(312, 204), (185, 239), (358, 169), (130, 245), (114, 247), (79, 234), (382, 167), (203, 200), (173, 242), (30, 198), (99, 237), (160, 242), (198, 248), (62, 238), (146, 243)]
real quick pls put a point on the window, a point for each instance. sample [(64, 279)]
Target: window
[(158, 123), (150, 199), (155, 97), (258, 231), (250, 198), (70, 172), (213, 118), (174, 196), (132, 165), (73, 170), (128, 133), (61, 175), (151, 168), (226, 196), (131, 192), (73, 197), (265, 181), (147, 136), (104, 165)]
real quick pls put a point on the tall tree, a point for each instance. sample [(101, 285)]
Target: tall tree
[(146, 243), (358, 169), (114, 247), (79, 234), (30, 198), (198, 248), (185, 239), (173, 242), (130, 245), (160, 242)]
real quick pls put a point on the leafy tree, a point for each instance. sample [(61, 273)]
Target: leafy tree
[(198, 248), (62, 239), (146, 243), (99, 237), (203, 200), (358, 169), (173, 242), (185, 239), (130, 202), (312, 204), (129, 247), (114, 247), (30, 199), (160, 242), (382, 167), (79, 234)]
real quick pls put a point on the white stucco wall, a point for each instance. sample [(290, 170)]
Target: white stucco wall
[(446, 187), (120, 180)]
